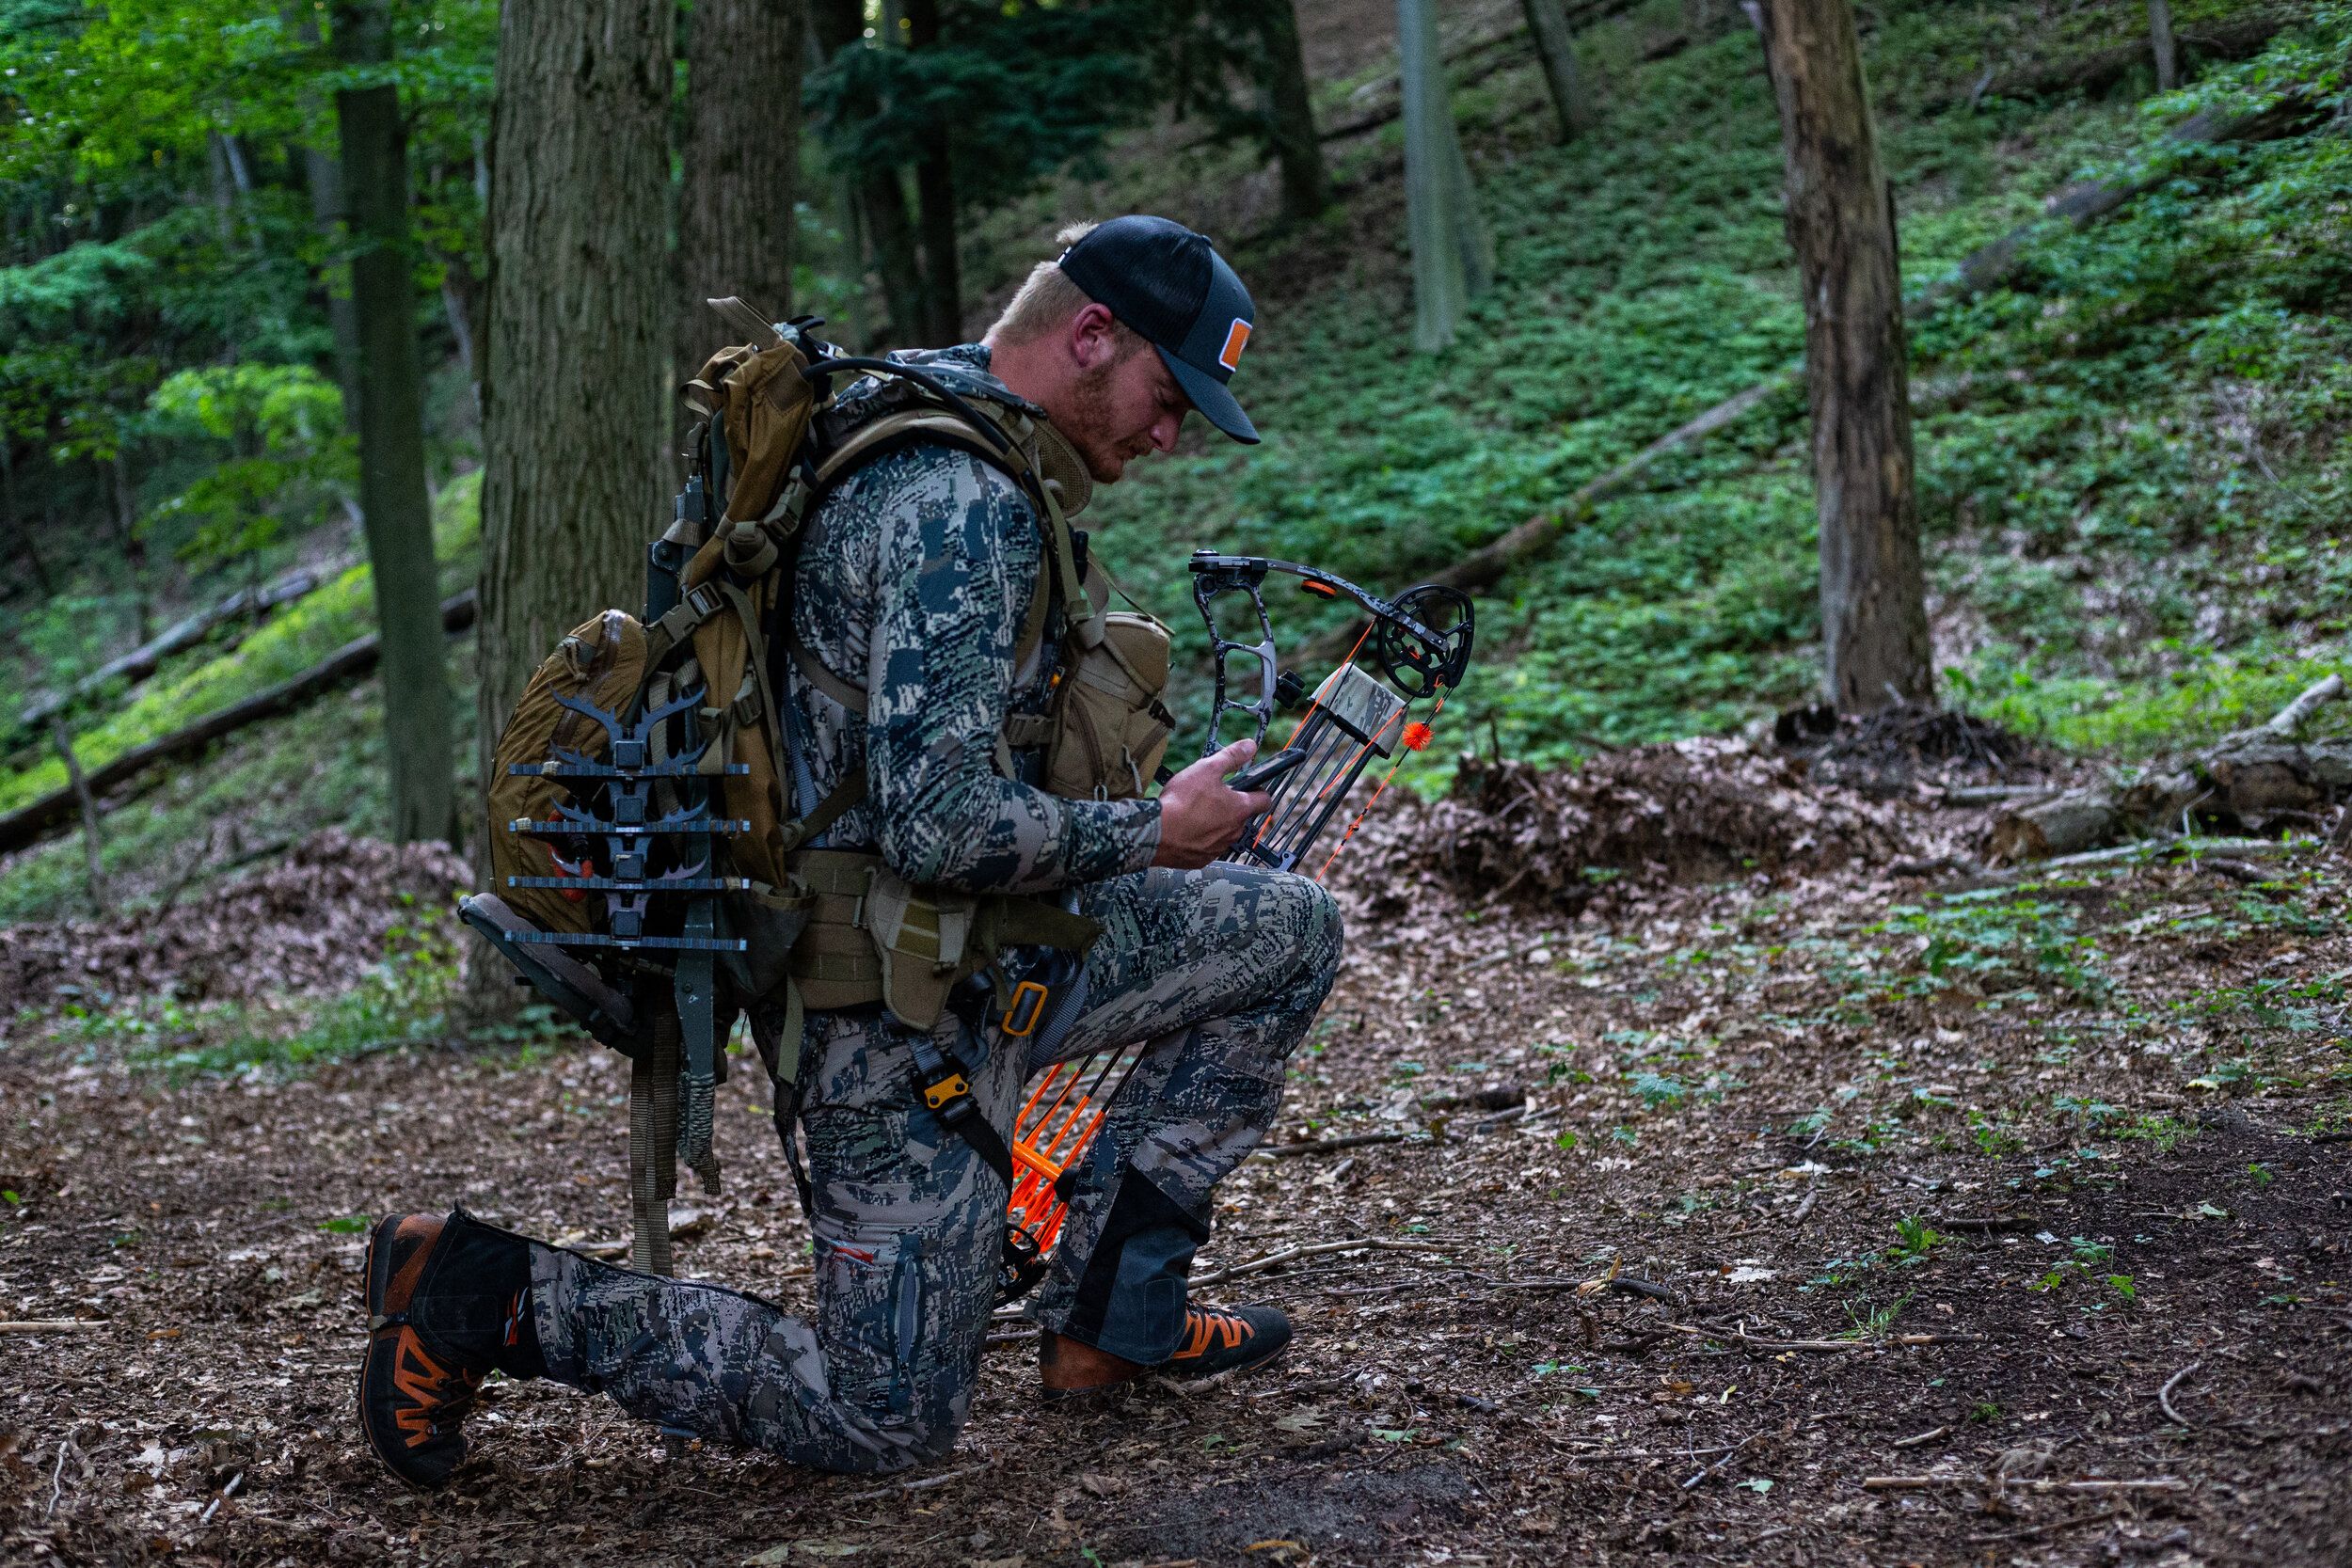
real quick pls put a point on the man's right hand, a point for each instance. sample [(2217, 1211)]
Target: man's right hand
[(1200, 817)]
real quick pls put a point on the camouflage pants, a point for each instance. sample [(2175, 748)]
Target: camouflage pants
[(1216, 974)]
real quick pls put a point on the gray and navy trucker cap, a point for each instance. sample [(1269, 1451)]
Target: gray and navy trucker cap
[(1173, 289)]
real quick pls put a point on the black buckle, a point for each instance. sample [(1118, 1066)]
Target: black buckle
[(1029, 1005)]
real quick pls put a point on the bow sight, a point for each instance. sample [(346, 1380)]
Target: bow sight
[(1420, 645)]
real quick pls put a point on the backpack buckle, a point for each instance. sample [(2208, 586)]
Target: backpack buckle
[(1029, 1005), (947, 1091)]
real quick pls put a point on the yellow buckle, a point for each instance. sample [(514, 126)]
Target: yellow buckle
[(1029, 1005), (950, 1087)]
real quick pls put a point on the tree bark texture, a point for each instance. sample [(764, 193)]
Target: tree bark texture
[(935, 206), (881, 203), (1841, 223), (2160, 45), (1452, 260), (1555, 47), (394, 501), (741, 165), (583, 314), (1290, 111)]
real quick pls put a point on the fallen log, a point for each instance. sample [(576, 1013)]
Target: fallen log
[(143, 661), (349, 663), (2250, 781), (2237, 39)]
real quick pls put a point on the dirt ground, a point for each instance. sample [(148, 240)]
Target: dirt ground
[(1680, 1219)]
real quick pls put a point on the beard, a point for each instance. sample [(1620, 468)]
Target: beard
[(1090, 403)]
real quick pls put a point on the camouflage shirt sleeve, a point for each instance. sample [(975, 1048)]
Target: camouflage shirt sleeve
[(955, 563)]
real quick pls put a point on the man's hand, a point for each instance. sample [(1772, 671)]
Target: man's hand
[(1200, 818)]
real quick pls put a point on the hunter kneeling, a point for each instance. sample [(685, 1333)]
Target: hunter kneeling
[(929, 606)]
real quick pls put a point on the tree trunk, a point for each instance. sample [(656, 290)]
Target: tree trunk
[(397, 513), (881, 204), (741, 165), (18, 529), (1452, 257), (580, 323), (2160, 43), (127, 536), (1306, 183), (935, 205), (1841, 223), (1555, 46)]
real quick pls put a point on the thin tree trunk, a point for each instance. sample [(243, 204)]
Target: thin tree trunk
[(1555, 46), (323, 177), (742, 161), (127, 534), (18, 529), (1841, 223), (882, 203), (1452, 261), (1306, 182), (392, 496), (2160, 43), (92, 862), (580, 323), (935, 205)]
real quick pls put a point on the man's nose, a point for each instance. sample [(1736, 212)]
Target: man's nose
[(1164, 430)]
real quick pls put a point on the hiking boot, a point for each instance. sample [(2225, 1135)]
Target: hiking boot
[(1213, 1340), (1219, 1339), (449, 1300)]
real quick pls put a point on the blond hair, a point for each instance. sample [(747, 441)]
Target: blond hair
[(1047, 299)]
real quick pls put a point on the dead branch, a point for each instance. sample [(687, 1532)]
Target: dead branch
[(1329, 1146), (143, 661), (2163, 1395), (2245, 780), (2234, 39), (1937, 1483), (55, 1325), (1319, 1250), (347, 664)]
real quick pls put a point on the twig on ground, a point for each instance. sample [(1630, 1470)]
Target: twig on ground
[(1623, 1285), (923, 1484), (2163, 1395), (2050, 1529), (1987, 1223), (1330, 1146), (1715, 1468), (55, 1325), (1938, 1483), (1812, 1196), (1319, 1250), (57, 1477), (1752, 1342), (1917, 1440)]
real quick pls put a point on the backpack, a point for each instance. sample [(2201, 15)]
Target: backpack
[(649, 870)]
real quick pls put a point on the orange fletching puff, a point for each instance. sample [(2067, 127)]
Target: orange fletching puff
[(1415, 737)]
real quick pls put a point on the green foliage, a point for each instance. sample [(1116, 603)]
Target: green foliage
[(289, 454), (1913, 1240), (1993, 942)]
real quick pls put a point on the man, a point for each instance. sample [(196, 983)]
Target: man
[(913, 581)]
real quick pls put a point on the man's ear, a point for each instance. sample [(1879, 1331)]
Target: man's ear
[(1093, 336)]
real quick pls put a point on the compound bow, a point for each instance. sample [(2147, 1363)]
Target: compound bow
[(1419, 642)]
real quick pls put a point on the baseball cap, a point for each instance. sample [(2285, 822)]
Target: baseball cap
[(1171, 287)]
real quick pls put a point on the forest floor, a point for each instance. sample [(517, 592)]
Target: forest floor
[(2036, 1189)]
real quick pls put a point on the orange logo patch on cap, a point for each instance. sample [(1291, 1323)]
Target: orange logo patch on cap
[(1236, 335)]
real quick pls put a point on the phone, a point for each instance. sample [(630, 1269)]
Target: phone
[(1260, 774)]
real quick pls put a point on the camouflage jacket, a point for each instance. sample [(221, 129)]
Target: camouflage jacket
[(913, 577)]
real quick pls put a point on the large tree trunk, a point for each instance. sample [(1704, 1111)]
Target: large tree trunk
[(935, 205), (742, 165), (882, 203), (397, 511), (1555, 46), (1290, 111), (581, 321), (1841, 223), (1453, 257)]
